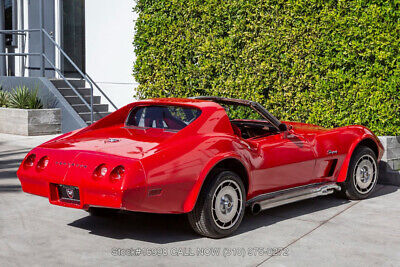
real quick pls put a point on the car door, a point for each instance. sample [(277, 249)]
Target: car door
[(284, 160)]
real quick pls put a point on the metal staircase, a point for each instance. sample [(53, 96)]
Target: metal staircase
[(99, 110), (79, 93), (75, 92)]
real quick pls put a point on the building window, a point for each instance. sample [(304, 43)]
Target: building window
[(73, 36)]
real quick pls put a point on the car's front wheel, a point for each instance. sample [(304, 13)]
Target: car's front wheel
[(220, 207), (362, 174)]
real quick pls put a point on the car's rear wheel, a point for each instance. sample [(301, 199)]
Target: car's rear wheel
[(362, 174), (220, 207)]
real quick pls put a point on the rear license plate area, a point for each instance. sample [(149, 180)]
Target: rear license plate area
[(68, 194)]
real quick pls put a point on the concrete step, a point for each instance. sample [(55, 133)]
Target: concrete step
[(96, 115), (59, 83), (70, 92), (96, 107), (76, 100)]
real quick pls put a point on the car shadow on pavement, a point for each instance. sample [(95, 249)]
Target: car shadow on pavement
[(382, 190), (170, 228), (155, 228)]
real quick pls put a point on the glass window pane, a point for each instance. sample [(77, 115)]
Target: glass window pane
[(162, 117), (73, 36)]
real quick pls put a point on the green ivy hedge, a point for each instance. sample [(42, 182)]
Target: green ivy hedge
[(330, 63)]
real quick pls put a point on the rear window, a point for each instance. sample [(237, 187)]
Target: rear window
[(162, 117)]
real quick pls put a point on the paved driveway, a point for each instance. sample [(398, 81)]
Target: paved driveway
[(325, 231)]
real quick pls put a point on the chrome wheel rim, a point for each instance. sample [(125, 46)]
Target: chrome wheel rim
[(227, 204), (365, 174)]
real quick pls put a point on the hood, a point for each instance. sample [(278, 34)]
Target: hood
[(117, 141)]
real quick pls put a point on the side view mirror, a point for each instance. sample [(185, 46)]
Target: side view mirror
[(287, 130), (283, 127)]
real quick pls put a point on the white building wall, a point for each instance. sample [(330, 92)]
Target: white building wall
[(109, 50)]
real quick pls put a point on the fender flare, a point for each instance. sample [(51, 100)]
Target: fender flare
[(192, 197), (345, 166)]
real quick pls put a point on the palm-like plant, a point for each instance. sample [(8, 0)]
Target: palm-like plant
[(4, 98), (21, 97)]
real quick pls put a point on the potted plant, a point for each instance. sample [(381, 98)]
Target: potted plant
[(23, 113)]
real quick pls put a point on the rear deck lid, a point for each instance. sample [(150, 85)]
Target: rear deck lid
[(120, 141)]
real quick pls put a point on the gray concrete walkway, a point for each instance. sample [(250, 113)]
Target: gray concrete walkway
[(318, 232)]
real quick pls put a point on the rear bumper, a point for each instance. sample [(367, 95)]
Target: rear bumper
[(101, 192), (88, 197), (133, 198)]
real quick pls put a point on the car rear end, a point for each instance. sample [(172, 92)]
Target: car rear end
[(80, 179)]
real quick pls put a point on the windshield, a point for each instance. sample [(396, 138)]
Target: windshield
[(162, 117)]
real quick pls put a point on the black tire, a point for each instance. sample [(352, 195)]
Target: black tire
[(102, 212), (351, 188), (204, 219)]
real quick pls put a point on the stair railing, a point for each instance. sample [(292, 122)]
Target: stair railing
[(44, 58)]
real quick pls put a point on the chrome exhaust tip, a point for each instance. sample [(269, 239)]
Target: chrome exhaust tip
[(255, 208)]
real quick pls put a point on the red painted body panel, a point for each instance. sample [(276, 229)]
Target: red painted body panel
[(165, 171)]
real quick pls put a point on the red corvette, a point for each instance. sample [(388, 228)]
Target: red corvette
[(208, 157)]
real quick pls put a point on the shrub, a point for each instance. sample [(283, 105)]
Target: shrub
[(21, 97), (331, 63), (4, 98)]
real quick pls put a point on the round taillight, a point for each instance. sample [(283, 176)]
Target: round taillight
[(43, 162), (30, 160), (100, 171), (103, 171), (117, 173)]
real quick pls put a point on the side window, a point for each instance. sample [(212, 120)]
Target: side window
[(240, 112)]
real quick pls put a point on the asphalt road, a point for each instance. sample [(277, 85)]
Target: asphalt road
[(325, 231)]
